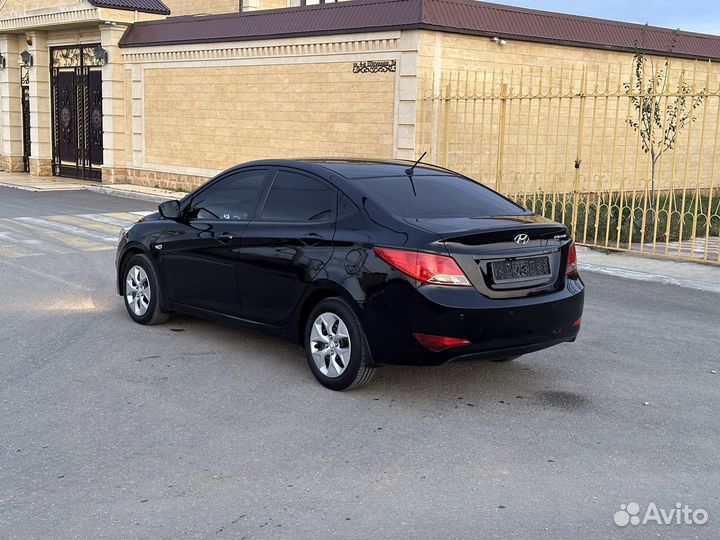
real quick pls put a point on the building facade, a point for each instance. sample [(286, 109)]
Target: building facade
[(168, 93)]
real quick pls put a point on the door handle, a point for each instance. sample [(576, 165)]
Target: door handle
[(224, 238)]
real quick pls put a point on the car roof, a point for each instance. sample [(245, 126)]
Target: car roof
[(357, 168)]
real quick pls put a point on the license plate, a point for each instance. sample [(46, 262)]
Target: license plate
[(520, 268)]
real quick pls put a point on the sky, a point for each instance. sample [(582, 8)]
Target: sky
[(691, 15)]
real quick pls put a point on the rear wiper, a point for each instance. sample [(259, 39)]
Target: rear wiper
[(410, 172)]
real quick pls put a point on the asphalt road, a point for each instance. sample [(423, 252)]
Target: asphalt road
[(109, 429)]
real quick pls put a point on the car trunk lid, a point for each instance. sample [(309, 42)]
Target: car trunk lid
[(505, 256)]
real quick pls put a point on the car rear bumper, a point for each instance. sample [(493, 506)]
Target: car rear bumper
[(496, 328)]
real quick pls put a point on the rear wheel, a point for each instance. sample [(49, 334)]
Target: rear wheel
[(336, 347), (141, 291)]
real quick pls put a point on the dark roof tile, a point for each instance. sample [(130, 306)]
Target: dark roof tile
[(470, 16), (459, 16), (147, 6), (341, 17)]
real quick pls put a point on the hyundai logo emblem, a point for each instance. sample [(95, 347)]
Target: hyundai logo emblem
[(522, 239)]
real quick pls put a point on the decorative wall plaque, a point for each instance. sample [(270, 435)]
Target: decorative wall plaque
[(375, 66)]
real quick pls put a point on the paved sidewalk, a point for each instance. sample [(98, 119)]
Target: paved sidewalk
[(698, 248), (705, 277), (41, 183), (54, 183)]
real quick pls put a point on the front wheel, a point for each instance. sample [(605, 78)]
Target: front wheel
[(141, 291), (336, 347)]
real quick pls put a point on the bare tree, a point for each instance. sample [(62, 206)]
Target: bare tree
[(661, 114)]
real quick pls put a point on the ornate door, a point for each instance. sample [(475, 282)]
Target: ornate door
[(95, 118), (77, 112), (66, 146), (26, 126)]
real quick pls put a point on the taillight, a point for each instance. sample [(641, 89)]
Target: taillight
[(571, 269), (425, 267), (439, 343)]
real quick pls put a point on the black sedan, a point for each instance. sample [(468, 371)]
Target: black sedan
[(364, 263)]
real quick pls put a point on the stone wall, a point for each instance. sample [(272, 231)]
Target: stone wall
[(197, 7), (187, 119), (19, 6), (213, 118)]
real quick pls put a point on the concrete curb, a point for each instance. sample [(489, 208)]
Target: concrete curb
[(137, 195)]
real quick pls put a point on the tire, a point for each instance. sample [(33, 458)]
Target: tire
[(337, 370), (141, 291)]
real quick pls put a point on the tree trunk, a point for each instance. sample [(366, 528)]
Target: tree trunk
[(653, 169)]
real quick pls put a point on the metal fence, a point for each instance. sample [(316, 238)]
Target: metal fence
[(627, 158)]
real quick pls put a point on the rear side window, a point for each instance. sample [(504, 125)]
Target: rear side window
[(437, 196), (232, 198), (297, 197)]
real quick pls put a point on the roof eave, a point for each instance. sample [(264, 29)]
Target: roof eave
[(165, 11), (420, 26), (124, 44)]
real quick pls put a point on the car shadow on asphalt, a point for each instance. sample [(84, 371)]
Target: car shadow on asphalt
[(532, 378)]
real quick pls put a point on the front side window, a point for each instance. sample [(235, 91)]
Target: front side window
[(297, 197), (233, 198)]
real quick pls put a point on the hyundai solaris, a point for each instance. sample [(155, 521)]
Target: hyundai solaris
[(362, 262)]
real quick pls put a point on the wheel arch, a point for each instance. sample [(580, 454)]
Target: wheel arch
[(130, 251), (312, 298)]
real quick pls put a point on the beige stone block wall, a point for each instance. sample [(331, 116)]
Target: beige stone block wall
[(18, 6), (216, 117), (126, 16), (11, 163), (197, 7), (154, 179), (524, 114), (273, 4)]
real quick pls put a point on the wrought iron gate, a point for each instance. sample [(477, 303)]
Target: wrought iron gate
[(25, 90), (76, 79)]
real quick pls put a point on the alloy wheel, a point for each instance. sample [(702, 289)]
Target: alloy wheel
[(330, 345), (137, 290)]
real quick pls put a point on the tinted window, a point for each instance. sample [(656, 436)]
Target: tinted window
[(232, 198), (437, 196), (297, 197)]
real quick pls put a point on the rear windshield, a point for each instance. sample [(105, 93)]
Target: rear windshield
[(437, 196)]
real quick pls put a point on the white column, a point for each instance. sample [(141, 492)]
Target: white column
[(11, 147), (137, 116), (114, 112), (40, 117), (406, 96)]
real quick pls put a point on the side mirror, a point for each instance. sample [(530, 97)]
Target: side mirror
[(170, 210)]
